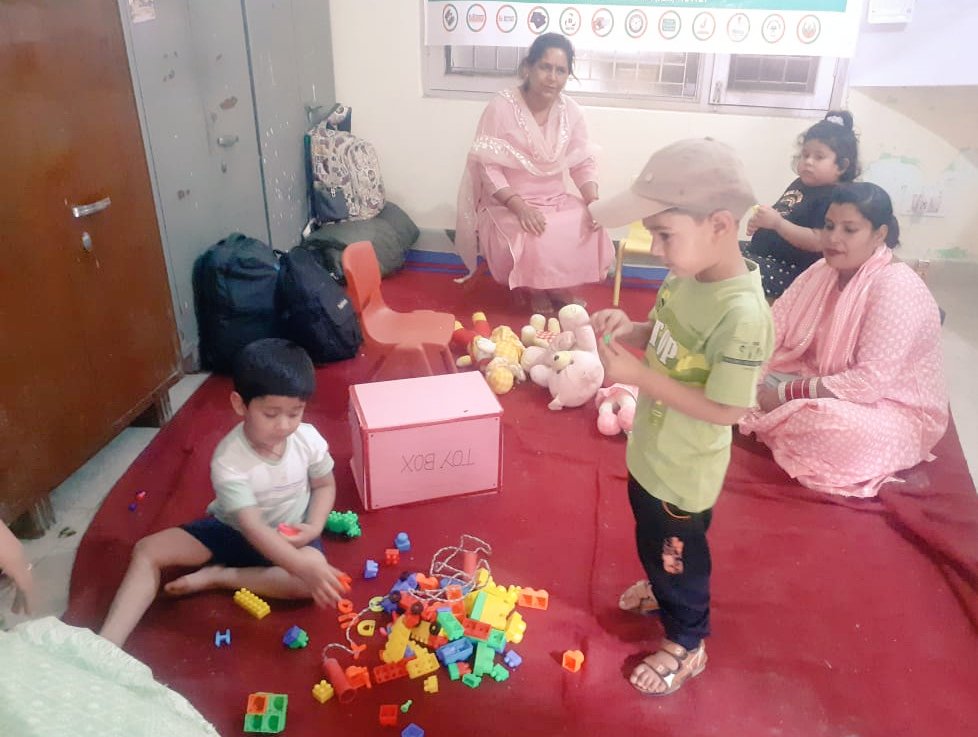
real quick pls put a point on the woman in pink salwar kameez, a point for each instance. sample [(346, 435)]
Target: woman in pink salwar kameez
[(514, 206), (855, 389)]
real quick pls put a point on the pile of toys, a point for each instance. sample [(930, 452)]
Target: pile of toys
[(454, 620)]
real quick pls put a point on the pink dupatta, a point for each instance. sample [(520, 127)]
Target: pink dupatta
[(807, 313), (508, 136)]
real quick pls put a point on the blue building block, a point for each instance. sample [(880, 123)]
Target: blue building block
[(295, 637), (402, 542), (455, 651), (406, 582), (222, 638), (370, 569), (512, 658), (412, 730)]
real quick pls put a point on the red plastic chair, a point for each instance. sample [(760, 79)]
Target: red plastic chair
[(409, 343)]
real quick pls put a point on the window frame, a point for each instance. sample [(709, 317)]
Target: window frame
[(831, 82)]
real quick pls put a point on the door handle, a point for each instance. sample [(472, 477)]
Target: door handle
[(80, 211), (227, 141)]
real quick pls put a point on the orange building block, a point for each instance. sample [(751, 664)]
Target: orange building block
[(573, 660), (534, 598), (358, 676)]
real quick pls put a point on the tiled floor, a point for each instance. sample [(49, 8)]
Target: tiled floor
[(77, 499)]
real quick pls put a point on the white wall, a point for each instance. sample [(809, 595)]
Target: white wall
[(422, 141)]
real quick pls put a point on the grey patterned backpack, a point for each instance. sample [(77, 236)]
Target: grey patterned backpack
[(346, 166)]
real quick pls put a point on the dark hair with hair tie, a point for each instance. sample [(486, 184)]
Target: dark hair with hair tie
[(873, 203), (549, 41), (836, 132)]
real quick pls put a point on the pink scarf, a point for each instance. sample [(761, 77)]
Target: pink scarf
[(807, 313)]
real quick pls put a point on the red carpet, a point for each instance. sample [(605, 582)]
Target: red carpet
[(830, 619)]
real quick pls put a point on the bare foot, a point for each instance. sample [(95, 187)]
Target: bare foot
[(208, 577)]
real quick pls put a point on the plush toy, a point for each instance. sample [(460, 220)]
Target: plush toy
[(540, 332), (616, 408), (575, 333), (496, 353), (572, 377)]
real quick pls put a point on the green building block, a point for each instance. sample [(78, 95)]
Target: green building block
[(483, 659), (453, 671), (496, 640), (499, 673), (343, 523), (450, 627), (266, 713), (471, 680)]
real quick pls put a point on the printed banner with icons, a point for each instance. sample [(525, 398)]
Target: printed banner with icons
[(782, 27)]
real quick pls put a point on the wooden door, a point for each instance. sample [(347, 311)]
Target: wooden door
[(87, 336)]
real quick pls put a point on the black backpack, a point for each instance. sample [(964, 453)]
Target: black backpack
[(234, 298), (314, 310)]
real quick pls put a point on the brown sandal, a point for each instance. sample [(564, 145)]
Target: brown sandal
[(638, 599), (688, 664)]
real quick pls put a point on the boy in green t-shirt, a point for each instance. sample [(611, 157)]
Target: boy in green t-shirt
[(705, 341)]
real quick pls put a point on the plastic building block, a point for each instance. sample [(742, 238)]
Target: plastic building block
[(295, 638), (397, 642), (534, 598), (463, 668), (450, 626), (471, 680), (405, 706), (370, 569), (515, 628), (498, 673), (402, 542), (455, 651), (412, 730), (475, 630), (512, 659), (266, 713), (431, 684), (423, 664), (388, 715), (366, 627), (484, 657), (496, 640), (256, 607), (392, 556), (288, 530), (453, 671), (390, 671), (222, 638), (572, 660), (322, 692), (358, 676), (427, 583), (343, 523)]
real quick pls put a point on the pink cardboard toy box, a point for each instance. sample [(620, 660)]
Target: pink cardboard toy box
[(424, 438)]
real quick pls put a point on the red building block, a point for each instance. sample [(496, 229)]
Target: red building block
[(390, 671), (392, 556), (388, 715), (477, 630)]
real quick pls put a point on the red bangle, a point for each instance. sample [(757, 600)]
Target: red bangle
[(802, 389)]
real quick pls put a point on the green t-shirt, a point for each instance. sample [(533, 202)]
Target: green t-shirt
[(714, 335)]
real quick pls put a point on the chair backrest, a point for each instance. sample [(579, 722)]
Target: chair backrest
[(362, 275)]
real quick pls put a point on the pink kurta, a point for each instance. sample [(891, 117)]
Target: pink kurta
[(877, 348), (512, 150)]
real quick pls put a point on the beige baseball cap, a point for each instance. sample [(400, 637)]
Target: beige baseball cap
[(699, 175)]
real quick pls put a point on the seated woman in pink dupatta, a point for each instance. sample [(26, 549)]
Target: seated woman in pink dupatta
[(514, 206), (855, 389)]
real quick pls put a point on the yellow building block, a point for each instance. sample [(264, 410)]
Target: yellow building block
[(431, 684), (515, 628), (322, 692), (397, 642), (422, 663), (256, 607), (494, 612)]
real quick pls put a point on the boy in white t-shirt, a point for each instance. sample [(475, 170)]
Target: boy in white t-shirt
[(271, 469)]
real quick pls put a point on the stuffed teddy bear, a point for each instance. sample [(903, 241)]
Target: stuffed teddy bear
[(572, 377), (616, 408)]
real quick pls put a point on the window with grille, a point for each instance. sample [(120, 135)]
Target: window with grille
[(654, 79)]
